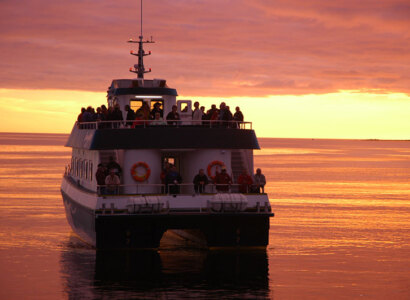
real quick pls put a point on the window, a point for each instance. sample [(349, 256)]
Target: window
[(91, 170), (160, 101), (135, 104), (86, 169)]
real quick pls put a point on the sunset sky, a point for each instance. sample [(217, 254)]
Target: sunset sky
[(308, 69)]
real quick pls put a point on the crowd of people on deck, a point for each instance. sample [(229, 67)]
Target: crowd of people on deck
[(108, 180), (155, 116)]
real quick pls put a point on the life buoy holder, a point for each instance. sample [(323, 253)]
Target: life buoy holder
[(135, 175), (211, 165)]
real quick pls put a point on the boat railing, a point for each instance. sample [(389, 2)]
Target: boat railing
[(163, 123), (174, 189)]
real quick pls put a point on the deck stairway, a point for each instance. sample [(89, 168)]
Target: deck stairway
[(105, 156), (237, 163)]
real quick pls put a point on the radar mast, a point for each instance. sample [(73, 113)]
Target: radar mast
[(139, 68)]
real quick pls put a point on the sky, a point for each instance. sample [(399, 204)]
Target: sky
[(297, 69)]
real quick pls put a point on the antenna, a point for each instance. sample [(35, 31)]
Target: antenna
[(139, 68)]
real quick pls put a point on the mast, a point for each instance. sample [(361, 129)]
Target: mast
[(139, 68)]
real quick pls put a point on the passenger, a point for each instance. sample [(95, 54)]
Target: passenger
[(245, 182), (173, 116), (213, 115), (222, 181), (157, 108), (203, 112), (117, 116), (238, 117), (99, 116), (158, 120), (113, 165), (130, 114), (228, 116), (259, 181), (100, 176), (164, 173), (112, 182), (172, 180), (104, 111), (80, 118), (225, 115), (211, 111), (197, 114), (200, 181), (145, 110)]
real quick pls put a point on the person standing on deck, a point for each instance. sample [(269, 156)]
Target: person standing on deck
[(245, 181), (173, 116), (197, 114), (260, 181), (112, 182)]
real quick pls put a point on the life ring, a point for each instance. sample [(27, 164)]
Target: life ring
[(143, 177), (211, 165)]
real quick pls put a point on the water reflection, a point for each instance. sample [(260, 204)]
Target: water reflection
[(168, 273)]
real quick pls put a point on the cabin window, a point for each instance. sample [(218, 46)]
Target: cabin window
[(91, 170), (170, 158), (184, 107), (72, 166), (81, 168), (160, 101), (86, 169), (136, 104), (77, 167)]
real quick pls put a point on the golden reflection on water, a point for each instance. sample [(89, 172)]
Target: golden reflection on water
[(341, 228)]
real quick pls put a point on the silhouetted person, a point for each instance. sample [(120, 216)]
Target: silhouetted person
[(259, 181), (200, 181)]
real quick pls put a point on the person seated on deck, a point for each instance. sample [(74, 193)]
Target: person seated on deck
[(172, 180), (112, 164), (100, 176), (259, 181), (200, 181), (112, 183), (197, 114), (245, 181), (173, 116), (222, 181), (158, 120)]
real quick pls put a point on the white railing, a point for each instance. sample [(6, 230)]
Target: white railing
[(163, 123), (174, 189)]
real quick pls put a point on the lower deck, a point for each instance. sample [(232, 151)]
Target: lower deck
[(139, 221)]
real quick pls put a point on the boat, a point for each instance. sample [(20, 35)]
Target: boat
[(136, 211)]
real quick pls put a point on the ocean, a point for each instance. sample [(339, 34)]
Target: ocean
[(341, 230)]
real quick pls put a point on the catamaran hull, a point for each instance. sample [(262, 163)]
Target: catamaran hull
[(145, 230)]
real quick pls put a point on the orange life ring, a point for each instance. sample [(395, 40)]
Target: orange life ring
[(212, 164), (143, 177)]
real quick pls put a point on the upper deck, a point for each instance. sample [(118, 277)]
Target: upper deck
[(210, 135)]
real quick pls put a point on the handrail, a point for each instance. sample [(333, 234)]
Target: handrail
[(173, 189), (118, 124)]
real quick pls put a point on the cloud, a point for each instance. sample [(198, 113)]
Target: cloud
[(209, 48)]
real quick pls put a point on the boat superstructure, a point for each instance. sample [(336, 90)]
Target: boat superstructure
[(142, 207)]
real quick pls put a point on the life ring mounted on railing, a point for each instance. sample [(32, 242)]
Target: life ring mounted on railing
[(143, 177), (211, 165)]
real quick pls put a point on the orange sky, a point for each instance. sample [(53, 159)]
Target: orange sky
[(310, 68)]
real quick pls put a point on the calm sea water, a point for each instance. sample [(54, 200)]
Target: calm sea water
[(341, 230)]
